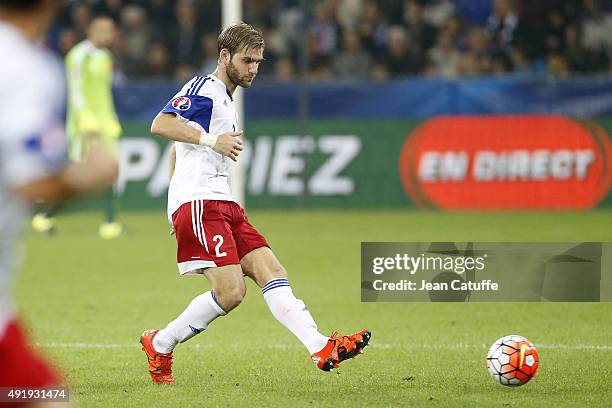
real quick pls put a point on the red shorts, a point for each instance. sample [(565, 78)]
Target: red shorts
[(21, 366), (213, 233)]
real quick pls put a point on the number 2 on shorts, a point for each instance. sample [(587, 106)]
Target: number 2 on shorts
[(218, 246)]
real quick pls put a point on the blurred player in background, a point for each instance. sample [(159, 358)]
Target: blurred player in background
[(91, 113), (214, 236), (32, 165)]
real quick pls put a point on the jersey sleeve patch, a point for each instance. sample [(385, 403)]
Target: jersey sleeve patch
[(195, 108), (27, 158)]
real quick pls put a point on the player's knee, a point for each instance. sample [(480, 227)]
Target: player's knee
[(230, 298)]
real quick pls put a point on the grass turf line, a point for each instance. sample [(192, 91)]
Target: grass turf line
[(76, 288)]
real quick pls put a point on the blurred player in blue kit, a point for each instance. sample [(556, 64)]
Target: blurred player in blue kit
[(33, 169)]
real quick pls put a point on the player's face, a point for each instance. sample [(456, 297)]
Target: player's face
[(243, 66), (102, 32)]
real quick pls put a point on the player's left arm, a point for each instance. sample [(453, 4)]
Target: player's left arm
[(172, 159)]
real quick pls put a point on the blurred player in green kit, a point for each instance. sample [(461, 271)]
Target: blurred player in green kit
[(91, 114)]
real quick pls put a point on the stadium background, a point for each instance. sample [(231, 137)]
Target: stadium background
[(367, 73), (346, 86)]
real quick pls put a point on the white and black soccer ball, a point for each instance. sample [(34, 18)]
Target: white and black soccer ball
[(512, 360)]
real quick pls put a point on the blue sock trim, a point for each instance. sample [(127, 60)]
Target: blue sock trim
[(212, 293), (279, 285), (275, 283)]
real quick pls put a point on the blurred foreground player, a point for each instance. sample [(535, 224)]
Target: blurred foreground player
[(32, 165), (214, 236), (91, 114)]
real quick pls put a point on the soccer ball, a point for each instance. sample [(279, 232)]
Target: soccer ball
[(512, 360)]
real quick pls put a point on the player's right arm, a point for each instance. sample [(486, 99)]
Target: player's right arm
[(169, 126), (32, 141), (75, 179), (32, 162)]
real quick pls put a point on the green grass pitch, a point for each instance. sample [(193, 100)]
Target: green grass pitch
[(87, 301)]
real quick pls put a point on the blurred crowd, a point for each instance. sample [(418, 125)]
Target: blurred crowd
[(357, 39)]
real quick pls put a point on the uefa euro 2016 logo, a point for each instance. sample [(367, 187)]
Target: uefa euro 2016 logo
[(182, 103)]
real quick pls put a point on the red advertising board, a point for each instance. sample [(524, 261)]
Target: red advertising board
[(519, 162)]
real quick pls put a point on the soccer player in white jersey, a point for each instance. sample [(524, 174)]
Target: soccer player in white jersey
[(213, 234), (32, 165)]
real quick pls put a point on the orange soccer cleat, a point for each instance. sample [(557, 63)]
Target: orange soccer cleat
[(341, 348), (160, 364)]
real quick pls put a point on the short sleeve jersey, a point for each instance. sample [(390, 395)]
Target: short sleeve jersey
[(89, 71), (203, 103), (32, 140)]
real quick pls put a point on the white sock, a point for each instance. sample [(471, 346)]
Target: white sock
[(196, 317), (293, 314)]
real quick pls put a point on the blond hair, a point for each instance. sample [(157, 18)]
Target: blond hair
[(240, 36)]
